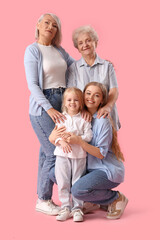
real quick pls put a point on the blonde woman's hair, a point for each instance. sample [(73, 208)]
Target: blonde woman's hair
[(84, 29), (56, 41), (79, 94), (115, 145)]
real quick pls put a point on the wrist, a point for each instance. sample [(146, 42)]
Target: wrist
[(108, 108), (81, 142), (58, 140)]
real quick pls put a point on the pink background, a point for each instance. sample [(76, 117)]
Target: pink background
[(129, 37)]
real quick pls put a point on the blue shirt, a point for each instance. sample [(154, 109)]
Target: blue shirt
[(102, 138), (102, 71), (34, 74)]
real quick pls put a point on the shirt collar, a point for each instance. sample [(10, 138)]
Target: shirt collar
[(94, 115), (66, 114), (98, 60)]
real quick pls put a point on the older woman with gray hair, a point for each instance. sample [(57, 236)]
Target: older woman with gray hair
[(46, 63), (91, 68)]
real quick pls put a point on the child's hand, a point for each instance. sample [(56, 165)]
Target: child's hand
[(56, 133), (65, 146), (73, 139), (65, 135)]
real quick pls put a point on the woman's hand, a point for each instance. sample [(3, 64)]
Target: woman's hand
[(74, 139), (56, 133), (55, 115), (104, 112), (86, 115)]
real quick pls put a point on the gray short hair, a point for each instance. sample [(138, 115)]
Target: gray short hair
[(57, 39), (84, 29)]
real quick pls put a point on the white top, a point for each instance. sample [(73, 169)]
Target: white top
[(54, 67), (77, 125)]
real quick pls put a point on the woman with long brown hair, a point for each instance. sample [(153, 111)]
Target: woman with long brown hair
[(105, 159)]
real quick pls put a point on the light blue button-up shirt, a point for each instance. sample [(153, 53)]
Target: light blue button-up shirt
[(80, 73), (102, 138)]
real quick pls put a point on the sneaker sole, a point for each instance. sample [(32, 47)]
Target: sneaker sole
[(117, 217), (78, 220), (48, 213), (62, 220)]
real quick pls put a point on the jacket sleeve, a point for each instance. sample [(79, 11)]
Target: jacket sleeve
[(32, 68), (69, 60), (71, 76)]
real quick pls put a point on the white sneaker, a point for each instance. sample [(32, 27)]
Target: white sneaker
[(77, 215), (89, 207), (116, 209), (47, 206), (64, 214)]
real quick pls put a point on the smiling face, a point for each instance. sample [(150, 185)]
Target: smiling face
[(72, 103), (47, 28), (86, 45), (93, 97)]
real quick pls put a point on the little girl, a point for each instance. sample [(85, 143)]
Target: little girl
[(71, 159)]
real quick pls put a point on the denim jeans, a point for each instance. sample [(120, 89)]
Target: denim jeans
[(43, 125), (95, 187)]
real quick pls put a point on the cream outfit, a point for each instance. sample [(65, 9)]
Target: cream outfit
[(70, 167)]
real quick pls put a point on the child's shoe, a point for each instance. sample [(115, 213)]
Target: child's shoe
[(116, 209), (77, 215), (64, 214), (89, 207), (47, 206)]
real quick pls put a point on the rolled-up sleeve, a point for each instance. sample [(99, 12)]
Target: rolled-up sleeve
[(104, 137), (112, 77)]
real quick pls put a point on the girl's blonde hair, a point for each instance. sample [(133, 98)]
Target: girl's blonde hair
[(79, 94), (115, 145)]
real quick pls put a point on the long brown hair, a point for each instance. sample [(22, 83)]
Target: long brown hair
[(115, 145)]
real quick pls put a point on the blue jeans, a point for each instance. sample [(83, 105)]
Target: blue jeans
[(43, 126), (95, 187)]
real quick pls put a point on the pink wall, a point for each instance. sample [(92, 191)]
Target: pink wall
[(129, 37)]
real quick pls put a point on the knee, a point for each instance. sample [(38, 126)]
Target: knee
[(52, 175), (77, 192)]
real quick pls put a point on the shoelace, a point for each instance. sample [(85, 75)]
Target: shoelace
[(77, 212), (63, 210), (110, 209), (51, 204)]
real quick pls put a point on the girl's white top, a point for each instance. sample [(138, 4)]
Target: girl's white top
[(77, 125)]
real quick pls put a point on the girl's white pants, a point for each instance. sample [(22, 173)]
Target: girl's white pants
[(67, 172)]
